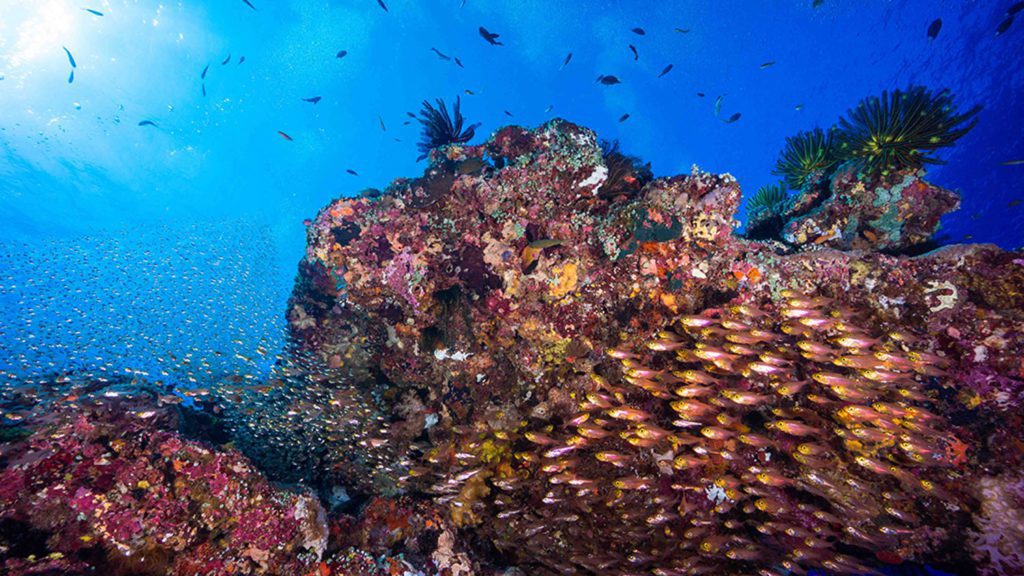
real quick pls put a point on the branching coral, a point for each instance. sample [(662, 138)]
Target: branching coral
[(902, 129), (805, 155), (442, 129)]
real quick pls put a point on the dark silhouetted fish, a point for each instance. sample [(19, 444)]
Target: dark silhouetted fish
[(549, 108), (285, 136), (382, 5), (682, 30), (934, 27), (639, 31), (148, 123), (608, 80), (491, 37), (624, 117), (1015, 8), (441, 55), (352, 172), (410, 115), (205, 70), (204, 89), (1013, 163), (226, 60), (565, 62), (469, 92), (71, 58), (71, 78), (313, 100), (666, 70), (458, 62), (507, 113), (91, 11), (383, 128), (636, 55), (1004, 25), (798, 107), (768, 64), (342, 54), (700, 94), (733, 118), (242, 59), (249, 4), (718, 105), (817, 3)]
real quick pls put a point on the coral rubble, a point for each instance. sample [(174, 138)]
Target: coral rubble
[(527, 340)]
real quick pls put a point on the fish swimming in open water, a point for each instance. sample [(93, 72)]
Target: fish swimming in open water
[(490, 37)]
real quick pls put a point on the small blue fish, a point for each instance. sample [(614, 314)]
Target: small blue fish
[(665, 71), (148, 123), (94, 12), (458, 62), (342, 54), (566, 61), (242, 59), (70, 57), (205, 70), (352, 172), (225, 62), (623, 118), (71, 78), (383, 5), (249, 4), (204, 89), (313, 100)]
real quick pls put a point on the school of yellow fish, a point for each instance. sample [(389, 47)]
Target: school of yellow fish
[(742, 440)]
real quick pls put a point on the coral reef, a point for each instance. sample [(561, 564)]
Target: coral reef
[(101, 483), (494, 302), (860, 184), (897, 213)]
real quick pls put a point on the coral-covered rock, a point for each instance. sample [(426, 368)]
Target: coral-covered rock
[(892, 213), (111, 488), (502, 302)]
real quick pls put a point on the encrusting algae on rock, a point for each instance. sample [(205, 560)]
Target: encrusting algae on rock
[(639, 390)]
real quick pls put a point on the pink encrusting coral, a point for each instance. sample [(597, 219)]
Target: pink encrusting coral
[(511, 276)]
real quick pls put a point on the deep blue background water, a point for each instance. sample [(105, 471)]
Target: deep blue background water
[(80, 180)]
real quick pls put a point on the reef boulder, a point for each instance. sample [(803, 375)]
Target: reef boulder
[(894, 213), (552, 344)]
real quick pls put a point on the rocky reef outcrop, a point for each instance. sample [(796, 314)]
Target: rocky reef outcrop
[(548, 345), (97, 479)]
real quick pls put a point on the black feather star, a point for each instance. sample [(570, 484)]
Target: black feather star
[(442, 129)]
